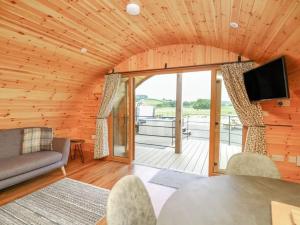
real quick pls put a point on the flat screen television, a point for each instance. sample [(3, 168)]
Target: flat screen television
[(268, 81)]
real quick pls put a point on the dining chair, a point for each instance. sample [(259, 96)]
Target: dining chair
[(252, 164), (129, 203)]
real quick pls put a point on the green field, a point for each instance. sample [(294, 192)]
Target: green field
[(170, 111), (153, 102), (162, 109)]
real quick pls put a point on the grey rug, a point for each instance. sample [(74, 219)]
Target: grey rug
[(62, 203), (174, 179)]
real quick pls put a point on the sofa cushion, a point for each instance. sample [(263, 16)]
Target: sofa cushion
[(37, 139), (46, 139), (11, 142), (17, 165)]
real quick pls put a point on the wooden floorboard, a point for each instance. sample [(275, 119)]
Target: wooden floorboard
[(192, 164), (192, 153), (201, 161), (188, 151), (193, 159), (204, 169), (100, 173)]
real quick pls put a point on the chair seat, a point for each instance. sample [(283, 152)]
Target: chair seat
[(17, 165), (129, 203), (252, 164)]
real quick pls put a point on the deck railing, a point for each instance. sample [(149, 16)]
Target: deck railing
[(160, 131)]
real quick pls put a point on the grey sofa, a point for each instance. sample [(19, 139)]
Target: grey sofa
[(16, 168)]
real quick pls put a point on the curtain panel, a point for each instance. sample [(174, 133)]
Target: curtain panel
[(111, 86), (250, 114)]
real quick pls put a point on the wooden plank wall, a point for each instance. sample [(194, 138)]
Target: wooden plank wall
[(285, 139), (86, 126), (176, 55), (39, 86), (281, 140)]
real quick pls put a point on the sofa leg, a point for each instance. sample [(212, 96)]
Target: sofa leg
[(63, 171)]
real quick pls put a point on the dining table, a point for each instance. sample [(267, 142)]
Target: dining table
[(228, 200)]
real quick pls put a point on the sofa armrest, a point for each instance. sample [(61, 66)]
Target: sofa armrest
[(62, 145)]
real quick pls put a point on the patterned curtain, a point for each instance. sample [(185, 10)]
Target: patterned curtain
[(249, 114), (111, 85)]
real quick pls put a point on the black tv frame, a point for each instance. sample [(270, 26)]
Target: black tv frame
[(285, 80)]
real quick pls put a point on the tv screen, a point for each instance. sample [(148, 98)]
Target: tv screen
[(268, 81)]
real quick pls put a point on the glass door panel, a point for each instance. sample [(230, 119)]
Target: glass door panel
[(155, 106), (120, 114), (173, 116), (228, 128)]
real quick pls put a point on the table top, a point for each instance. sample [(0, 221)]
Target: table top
[(228, 200)]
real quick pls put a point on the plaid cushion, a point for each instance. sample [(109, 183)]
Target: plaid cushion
[(46, 139), (37, 139)]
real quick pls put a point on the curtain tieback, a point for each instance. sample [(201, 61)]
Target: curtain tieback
[(101, 118)]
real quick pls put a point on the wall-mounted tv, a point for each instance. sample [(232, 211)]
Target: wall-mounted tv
[(268, 81)]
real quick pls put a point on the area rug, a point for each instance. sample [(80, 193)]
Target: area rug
[(65, 202), (174, 179)]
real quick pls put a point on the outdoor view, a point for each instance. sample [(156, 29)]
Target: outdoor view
[(156, 105)]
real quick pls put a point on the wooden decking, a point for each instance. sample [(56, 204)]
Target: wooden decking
[(193, 159)]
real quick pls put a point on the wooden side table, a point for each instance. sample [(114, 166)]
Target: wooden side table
[(77, 148)]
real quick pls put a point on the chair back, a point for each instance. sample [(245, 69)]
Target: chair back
[(130, 204), (252, 164)]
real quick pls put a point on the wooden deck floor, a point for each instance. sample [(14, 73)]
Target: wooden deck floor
[(193, 159)]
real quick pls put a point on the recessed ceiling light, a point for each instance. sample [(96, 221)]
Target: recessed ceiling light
[(83, 50), (133, 8), (234, 25)]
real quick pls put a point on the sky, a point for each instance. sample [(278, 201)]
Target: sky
[(195, 85)]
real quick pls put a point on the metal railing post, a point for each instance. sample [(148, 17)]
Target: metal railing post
[(172, 133), (229, 129), (187, 126)]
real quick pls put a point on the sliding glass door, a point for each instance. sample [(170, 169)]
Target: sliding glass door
[(173, 121), (228, 135), (182, 121), (121, 118), (120, 121), (155, 106)]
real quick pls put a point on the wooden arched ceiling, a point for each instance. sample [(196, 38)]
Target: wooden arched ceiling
[(52, 32), (44, 77)]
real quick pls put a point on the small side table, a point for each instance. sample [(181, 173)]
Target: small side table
[(77, 148)]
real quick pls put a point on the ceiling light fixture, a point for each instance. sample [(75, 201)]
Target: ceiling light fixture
[(83, 50), (234, 25), (133, 8)]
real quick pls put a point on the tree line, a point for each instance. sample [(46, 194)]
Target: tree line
[(163, 103)]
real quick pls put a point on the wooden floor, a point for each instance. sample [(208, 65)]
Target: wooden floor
[(105, 174), (96, 172), (193, 159)]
